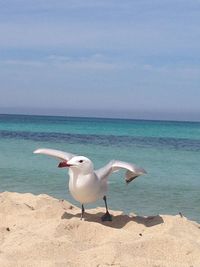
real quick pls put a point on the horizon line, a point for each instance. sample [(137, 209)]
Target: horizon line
[(100, 117)]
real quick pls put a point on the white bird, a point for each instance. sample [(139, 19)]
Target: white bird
[(87, 185)]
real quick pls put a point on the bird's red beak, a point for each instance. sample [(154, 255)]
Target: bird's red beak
[(63, 164)]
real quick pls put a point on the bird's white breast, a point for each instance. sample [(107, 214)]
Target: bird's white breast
[(86, 188)]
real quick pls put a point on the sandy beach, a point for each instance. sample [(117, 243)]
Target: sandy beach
[(44, 231)]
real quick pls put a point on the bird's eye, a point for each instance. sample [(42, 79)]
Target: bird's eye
[(81, 161)]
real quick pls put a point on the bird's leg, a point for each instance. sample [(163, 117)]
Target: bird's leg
[(106, 216), (82, 211)]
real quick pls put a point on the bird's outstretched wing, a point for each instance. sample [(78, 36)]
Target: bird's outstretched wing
[(55, 153), (132, 171)]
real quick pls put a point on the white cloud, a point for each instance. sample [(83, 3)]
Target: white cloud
[(26, 63), (93, 62)]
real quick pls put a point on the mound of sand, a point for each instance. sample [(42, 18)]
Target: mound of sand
[(43, 231)]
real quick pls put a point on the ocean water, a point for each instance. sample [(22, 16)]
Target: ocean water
[(168, 151)]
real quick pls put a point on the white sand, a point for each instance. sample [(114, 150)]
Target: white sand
[(43, 231)]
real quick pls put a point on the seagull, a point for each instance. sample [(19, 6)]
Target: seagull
[(87, 185)]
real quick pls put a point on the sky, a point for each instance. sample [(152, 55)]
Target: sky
[(107, 58)]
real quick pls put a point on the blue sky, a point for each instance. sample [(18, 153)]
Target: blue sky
[(138, 59)]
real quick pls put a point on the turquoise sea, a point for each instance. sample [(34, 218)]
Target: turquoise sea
[(168, 151)]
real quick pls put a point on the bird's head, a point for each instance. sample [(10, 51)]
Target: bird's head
[(78, 163)]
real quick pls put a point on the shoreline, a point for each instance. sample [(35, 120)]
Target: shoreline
[(39, 230)]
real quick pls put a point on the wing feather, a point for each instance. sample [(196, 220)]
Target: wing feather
[(55, 153), (132, 171)]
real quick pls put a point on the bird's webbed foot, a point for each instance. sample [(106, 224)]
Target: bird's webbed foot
[(107, 217)]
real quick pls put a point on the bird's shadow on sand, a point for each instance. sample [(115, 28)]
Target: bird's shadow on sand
[(118, 221)]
